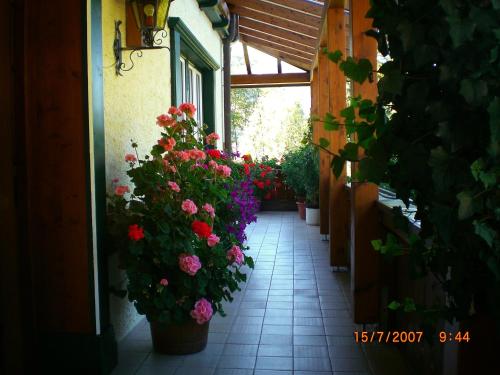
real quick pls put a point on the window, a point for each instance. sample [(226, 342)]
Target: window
[(193, 73), (192, 87)]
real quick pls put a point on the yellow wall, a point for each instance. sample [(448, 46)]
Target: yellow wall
[(131, 104)]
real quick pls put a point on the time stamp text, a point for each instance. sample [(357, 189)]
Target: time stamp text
[(403, 337)]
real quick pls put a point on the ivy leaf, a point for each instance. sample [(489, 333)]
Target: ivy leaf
[(496, 4), (350, 151), (335, 56), (357, 71), (337, 165), (324, 143), (465, 208), (484, 231), (330, 123), (494, 113), (474, 91), (394, 305), (377, 245), (409, 305), (371, 169), (392, 81)]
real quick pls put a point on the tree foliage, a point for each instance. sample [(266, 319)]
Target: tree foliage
[(434, 133), (243, 104)]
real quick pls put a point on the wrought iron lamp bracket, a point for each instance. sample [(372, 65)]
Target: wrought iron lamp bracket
[(150, 39)]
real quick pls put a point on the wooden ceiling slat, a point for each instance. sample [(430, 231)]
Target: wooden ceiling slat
[(275, 21), (272, 30), (247, 60), (279, 11), (270, 80), (306, 6), (267, 43), (288, 58), (274, 39)]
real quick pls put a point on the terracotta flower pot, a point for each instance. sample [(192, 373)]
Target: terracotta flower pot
[(186, 338), (302, 210)]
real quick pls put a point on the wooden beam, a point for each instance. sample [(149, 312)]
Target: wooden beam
[(247, 60), (251, 39), (290, 59), (278, 11), (365, 222), (276, 40), (306, 6), (339, 200), (324, 158), (307, 40), (276, 21), (269, 80)]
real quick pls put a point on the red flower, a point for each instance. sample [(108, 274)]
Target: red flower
[(188, 108), (215, 154), (247, 169), (268, 182), (263, 174), (135, 233), (201, 228), (259, 184)]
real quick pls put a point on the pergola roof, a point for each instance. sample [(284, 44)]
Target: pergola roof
[(285, 29)]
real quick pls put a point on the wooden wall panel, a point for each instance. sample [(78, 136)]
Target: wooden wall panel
[(58, 227), (324, 166), (365, 222), (338, 195)]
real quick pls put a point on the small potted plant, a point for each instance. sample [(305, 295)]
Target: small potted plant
[(181, 260), (292, 168), (311, 182)]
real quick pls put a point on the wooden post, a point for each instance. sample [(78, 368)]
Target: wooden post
[(338, 196), (324, 158), (314, 103), (365, 223)]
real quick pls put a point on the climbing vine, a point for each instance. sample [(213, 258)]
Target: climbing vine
[(433, 135)]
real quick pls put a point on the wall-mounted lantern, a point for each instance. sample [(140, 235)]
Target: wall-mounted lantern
[(150, 19)]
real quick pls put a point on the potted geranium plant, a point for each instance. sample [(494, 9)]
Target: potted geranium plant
[(311, 182), (293, 171), (181, 260)]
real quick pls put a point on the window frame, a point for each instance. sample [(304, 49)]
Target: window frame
[(184, 43)]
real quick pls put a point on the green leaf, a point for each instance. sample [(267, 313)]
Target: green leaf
[(409, 305), (377, 245), (474, 91), (338, 165), (465, 208), (484, 231), (350, 151), (330, 123), (394, 305), (392, 81), (357, 71), (494, 114), (335, 56), (324, 143)]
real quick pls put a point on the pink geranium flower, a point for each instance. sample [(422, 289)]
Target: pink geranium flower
[(212, 138), (174, 111), (196, 154), (164, 282), (209, 209), (213, 240), (168, 144), (173, 185), (213, 164), (165, 121), (130, 158), (189, 264), (202, 311), (183, 155), (224, 170), (189, 207), (235, 255), (188, 108), (121, 189)]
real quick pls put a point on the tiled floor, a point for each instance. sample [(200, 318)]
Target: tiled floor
[(291, 317)]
